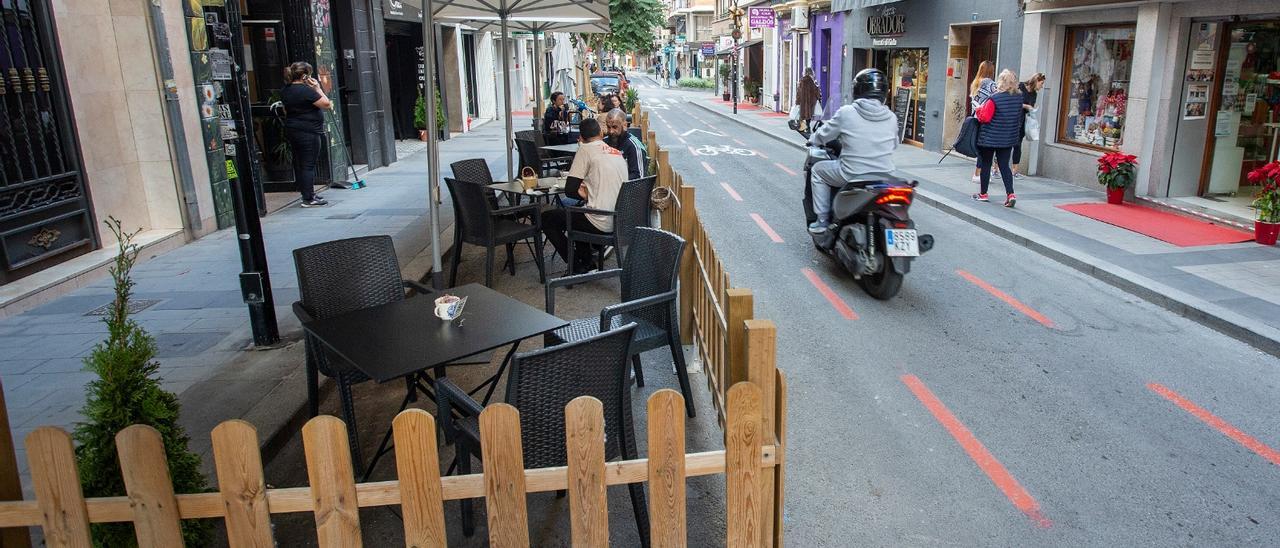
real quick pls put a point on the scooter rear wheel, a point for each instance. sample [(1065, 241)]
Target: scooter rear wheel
[(885, 284)]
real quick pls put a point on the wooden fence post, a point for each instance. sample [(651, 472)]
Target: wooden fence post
[(504, 486), (780, 453), (665, 173), (762, 354), (743, 453), (57, 486), (146, 479), (737, 310), (418, 470), (650, 139), (332, 478), (667, 511), (10, 482), (244, 491), (689, 279), (584, 447)]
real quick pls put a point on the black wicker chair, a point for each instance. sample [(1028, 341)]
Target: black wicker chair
[(479, 223), (472, 170), (649, 275), (540, 384), (338, 277), (630, 212)]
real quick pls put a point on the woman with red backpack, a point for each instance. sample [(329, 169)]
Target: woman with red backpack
[(1001, 118)]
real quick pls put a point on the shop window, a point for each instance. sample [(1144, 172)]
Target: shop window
[(1099, 60)]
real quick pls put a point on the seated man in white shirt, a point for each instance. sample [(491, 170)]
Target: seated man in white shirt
[(596, 176)]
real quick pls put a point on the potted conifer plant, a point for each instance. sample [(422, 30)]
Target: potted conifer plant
[(126, 391)]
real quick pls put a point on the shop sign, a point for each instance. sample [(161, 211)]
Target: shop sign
[(884, 41), (708, 49), (761, 17), (726, 42), (680, 40), (888, 23)]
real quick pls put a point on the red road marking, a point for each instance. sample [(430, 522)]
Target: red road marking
[(766, 228), (733, 193), (996, 472), (1015, 303), (1218, 424), (835, 300), (682, 141), (761, 154), (691, 150), (784, 168), (707, 167), (740, 142)]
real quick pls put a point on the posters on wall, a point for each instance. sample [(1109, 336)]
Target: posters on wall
[(1197, 102), (220, 64)]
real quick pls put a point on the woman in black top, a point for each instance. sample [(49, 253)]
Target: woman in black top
[(1029, 89), (304, 126), (555, 121)]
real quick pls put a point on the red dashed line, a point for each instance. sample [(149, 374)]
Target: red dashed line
[(784, 168), (708, 168), (768, 230), (1015, 303), (1218, 424), (999, 475), (835, 300), (732, 193)]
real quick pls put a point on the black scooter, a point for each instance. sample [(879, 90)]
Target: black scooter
[(871, 234)]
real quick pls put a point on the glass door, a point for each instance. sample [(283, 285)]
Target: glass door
[(266, 60)]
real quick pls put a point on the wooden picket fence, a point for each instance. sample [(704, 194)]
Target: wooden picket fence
[(718, 320), (246, 504)]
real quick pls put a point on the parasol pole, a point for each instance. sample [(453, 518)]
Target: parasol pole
[(503, 14), (433, 146)]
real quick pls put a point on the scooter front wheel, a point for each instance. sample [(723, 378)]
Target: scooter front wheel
[(885, 284)]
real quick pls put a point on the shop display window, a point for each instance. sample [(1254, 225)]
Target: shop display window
[(1095, 85)]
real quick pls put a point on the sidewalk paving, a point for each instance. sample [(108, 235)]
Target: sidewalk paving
[(193, 308), (1232, 288)]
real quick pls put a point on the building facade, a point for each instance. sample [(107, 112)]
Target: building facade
[(1191, 88), (930, 50)]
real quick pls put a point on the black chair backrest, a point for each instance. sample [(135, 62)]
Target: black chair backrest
[(633, 208), (650, 267), (345, 275), (529, 155), (471, 209), (541, 383), (342, 276), (472, 170)]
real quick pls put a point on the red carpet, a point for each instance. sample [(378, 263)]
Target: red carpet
[(772, 114), (1175, 229)]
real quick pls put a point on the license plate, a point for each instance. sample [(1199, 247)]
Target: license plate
[(901, 243)]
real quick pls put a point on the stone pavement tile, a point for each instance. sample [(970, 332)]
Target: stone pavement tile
[(18, 366), (223, 323), (72, 304), (61, 365), (181, 344)]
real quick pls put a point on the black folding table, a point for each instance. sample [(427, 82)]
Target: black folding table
[(406, 339)]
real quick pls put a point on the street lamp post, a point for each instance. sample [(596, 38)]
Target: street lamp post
[(737, 36)]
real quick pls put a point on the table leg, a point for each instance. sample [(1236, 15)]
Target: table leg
[(384, 447), (492, 382)]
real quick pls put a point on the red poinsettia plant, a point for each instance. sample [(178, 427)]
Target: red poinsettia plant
[(1117, 169), (1267, 199)]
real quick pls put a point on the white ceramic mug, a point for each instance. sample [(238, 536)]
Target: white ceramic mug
[(445, 307)]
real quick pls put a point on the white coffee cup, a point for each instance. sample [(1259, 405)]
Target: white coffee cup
[(446, 307)]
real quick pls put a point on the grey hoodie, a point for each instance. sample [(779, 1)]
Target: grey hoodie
[(868, 134)]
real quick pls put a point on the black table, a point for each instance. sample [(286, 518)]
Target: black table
[(406, 339), (547, 186), (571, 148)]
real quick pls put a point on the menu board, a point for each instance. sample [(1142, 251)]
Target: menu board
[(920, 119), (901, 108)]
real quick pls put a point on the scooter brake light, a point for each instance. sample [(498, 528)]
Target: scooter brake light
[(896, 195)]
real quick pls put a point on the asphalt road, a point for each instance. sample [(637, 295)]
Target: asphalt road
[(1000, 400)]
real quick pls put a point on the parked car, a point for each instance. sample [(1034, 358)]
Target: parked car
[(608, 83)]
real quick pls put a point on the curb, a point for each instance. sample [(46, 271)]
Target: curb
[(1208, 314)]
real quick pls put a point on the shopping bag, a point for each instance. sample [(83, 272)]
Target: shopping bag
[(817, 110), (1032, 125)]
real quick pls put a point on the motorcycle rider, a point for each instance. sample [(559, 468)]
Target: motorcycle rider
[(868, 133)]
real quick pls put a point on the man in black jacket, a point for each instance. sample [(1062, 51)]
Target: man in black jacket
[(617, 137)]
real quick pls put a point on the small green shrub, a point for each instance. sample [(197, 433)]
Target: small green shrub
[(695, 82), (126, 391)]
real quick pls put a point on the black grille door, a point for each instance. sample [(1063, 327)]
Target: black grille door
[(44, 205)]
